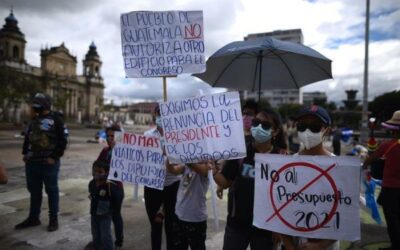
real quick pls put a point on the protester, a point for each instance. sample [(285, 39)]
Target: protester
[(191, 210), (43, 146), (336, 144), (238, 176), (160, 204), (249, 112), (313, 125), (3, 174), (103, 199), (390, 194), (105, 156)]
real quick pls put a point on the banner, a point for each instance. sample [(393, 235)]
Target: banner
[(138, 159), (203, 128), (308, 196), (162, 43)]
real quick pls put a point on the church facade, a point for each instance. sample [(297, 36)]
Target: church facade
[(80, 97)]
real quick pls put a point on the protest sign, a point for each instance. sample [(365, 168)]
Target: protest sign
[(203, 128), (162, 43), (138, 159), (308, 196)]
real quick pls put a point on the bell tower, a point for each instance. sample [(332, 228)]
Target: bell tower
[(92, 63), (12, 40)]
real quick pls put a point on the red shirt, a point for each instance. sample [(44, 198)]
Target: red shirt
[(391, 171)]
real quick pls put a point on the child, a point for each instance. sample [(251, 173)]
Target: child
[(102, 200), (191, 209)]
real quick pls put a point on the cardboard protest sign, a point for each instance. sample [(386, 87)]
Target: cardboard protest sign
[(308, 196), (138, 159), (162, 43), (203, 128)]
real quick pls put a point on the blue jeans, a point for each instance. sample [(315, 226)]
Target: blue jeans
[(37, 174), (101, 232)]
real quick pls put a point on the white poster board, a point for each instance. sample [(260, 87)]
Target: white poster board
[(164, 43), (203, 128), (308, 196), (138, 159)]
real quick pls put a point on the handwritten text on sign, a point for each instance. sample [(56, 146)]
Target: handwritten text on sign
[(162, 43), (138, 159), (308, 196), (203, 128)]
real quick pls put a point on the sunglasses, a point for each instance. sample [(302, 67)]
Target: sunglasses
[(264, 124), (314, 127)]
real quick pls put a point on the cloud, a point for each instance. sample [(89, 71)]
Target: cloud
[(334, 28)]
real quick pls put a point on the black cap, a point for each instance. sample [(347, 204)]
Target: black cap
[(317, 111), (41, 100)]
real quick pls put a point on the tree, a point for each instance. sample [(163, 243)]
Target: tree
[(289, 110), (15, 88), (383, 106)]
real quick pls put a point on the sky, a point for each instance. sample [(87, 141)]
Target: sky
[(335, 28)]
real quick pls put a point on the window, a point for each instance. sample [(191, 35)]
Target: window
[(15, 52)]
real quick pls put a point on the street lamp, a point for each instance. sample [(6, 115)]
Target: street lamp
[(364, 118)]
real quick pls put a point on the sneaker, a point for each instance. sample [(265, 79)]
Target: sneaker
[(89, 246), (53, 224), (29, 222)]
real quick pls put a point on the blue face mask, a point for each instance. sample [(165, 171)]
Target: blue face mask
[(261, 135), (159, 121)]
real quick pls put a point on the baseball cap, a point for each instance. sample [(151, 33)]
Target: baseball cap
[(41, 100), (316, 110)]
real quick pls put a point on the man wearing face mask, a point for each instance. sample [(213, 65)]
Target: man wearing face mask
[(43, 146), (313, 125), (160, 204)]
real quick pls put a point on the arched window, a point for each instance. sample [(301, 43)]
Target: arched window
[(96, 71), (15, 52)]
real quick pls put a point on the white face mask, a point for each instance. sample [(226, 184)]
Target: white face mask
[(310, 139)]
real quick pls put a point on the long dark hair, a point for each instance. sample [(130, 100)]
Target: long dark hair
[(280, 139)]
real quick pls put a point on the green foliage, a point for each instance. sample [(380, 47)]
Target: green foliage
[(15, 88), (383, 106), (289, 110)]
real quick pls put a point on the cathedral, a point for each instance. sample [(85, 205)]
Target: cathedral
[(79, 97)]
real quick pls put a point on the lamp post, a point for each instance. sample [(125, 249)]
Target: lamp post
[(364, 118)]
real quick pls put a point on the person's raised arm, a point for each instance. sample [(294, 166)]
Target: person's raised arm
[(200, 168), (220, 178)]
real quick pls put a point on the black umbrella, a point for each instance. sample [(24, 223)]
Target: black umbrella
[(265, 63)]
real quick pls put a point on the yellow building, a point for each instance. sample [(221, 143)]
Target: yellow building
[(80, 97)]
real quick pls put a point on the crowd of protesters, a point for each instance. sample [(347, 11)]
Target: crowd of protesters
[(181, 206)]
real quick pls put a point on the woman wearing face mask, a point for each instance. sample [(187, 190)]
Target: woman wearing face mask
[(313, 125), (238, 176)]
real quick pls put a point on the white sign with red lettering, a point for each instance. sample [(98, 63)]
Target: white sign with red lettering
[(138, 159), (203, 128), (162, 43), (308, 196)]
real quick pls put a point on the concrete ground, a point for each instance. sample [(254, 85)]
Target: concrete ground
[(74, 231)]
